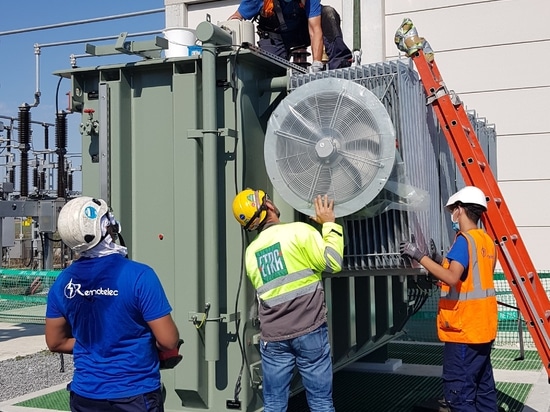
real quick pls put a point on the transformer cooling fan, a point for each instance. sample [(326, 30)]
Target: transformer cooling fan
[(329, 136)]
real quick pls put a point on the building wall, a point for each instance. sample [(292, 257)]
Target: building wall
[(494, 54)]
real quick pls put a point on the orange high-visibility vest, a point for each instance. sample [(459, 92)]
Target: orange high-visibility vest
[(467, 312)]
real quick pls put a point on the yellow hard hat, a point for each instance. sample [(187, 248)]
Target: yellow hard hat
[(249, 208)]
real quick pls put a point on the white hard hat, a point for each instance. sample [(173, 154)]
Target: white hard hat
[(469, 195), (79, 222)]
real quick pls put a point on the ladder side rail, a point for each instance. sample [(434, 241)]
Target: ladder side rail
[(522, 288), (523, 294), (475, 175), (514, 258)]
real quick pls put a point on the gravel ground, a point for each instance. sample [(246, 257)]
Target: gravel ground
[(27, 374)]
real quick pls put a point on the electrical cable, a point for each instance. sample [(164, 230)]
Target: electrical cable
[(57, 95), (42, 247), (31, 259), (204, 317), (51, 239), (242, 274)]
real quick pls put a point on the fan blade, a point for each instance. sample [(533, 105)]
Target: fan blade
[(329, 136)]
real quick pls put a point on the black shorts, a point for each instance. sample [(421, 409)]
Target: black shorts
[(147, 402)]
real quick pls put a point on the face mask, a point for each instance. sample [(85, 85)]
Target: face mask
[(454, 225)]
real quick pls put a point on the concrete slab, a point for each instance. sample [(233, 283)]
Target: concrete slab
[(26, 339), (538, 399), (21, 339)]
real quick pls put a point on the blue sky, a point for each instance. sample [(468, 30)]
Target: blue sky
[(18, 62)]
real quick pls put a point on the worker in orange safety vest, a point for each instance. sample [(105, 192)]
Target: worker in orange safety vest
[(467, 315)]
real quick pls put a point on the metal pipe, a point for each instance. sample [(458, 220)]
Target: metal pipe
[(211, 36), (37, 76), (273, 84), (356, 24), (78, 22), (47, 251), (103, 136), (94, 39), (13, 119)]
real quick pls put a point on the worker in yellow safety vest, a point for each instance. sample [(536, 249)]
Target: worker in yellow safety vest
[(284, 263), (467, 315)]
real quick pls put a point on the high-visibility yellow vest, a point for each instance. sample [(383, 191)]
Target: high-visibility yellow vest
[(468, 311), (285, 263)]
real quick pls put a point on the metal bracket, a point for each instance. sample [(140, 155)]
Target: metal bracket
[(442, 91), (196, 317), (150, 49), (256, 374), (199, 133)]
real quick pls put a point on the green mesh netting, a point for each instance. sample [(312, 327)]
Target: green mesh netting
[(23, 294), (511, 326)]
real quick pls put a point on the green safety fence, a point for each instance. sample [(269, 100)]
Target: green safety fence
[(23, 294), (512, 330)]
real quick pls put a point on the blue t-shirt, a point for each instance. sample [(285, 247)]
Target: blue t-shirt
[(250, 8), (459, 252), (108, 301)]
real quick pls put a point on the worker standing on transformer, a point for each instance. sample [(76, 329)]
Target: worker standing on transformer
[(112, 314), (287, 24), (467, 315), (284, 263)]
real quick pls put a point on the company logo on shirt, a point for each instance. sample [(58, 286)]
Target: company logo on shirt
[(271, 263), (73, 289)]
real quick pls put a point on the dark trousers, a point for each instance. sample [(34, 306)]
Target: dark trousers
[(281, 44), (147, 402), (468, 382)]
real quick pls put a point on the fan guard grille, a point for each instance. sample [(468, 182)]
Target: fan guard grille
[(329, 136)]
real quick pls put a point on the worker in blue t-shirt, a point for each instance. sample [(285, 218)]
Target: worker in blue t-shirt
[(112, 314), (287, 24)]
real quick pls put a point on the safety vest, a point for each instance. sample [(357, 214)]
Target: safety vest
[(468, 311), (285, 263)]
